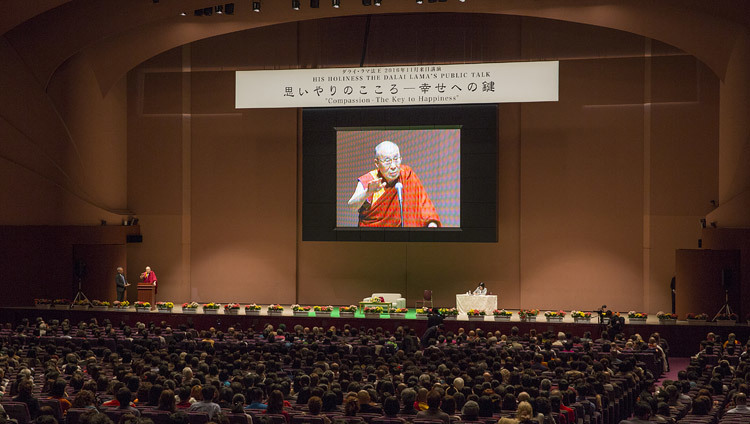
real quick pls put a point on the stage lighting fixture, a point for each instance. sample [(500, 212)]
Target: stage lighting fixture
[(419, 1), (229, 8), (336, 3), (198, 12), (377, 2), (183, 14), (295, 4), (208, 11), (462, 1), (219, 9), (256, 6), (314, 4), (366, 2)]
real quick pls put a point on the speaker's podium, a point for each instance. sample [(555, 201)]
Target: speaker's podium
[(146, 293)]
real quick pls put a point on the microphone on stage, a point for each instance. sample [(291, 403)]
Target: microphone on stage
[(399, 188)]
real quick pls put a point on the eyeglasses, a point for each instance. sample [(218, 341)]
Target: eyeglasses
[(389, 161)]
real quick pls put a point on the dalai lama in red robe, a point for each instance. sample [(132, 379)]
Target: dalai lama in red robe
[(149, 277), (376, 197)]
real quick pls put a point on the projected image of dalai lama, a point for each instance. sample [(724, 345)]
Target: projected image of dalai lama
[(376, 197)]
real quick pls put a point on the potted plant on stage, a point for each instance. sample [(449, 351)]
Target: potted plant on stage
[(80, 304), (397, 312), (476, 315), (210, 308), (232, 308), (300, 311), (323, 311), (373, 311), (637, 317), (581, 316), (666, 318), (555, 316), (100, 304), (693, 318), (141, 306), (726, 319), (252, 309), (502, 315), (449, 314), (190, 307), (121, 305), (422, 313), (528, 315), (42, 303), (164, 307), (347, 311), (61, 303), (275, 309)]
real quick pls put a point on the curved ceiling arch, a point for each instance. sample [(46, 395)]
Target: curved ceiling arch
[(124, 44)]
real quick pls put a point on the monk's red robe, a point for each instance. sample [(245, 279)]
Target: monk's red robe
[(150, 279), (382, 208)]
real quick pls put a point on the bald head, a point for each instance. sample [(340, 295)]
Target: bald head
[(388, 160)]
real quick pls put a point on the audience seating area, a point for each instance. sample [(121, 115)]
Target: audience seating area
[(480, 377)]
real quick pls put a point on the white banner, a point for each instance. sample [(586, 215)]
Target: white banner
[(399, 85)]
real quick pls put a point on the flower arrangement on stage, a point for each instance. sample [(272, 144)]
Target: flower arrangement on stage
[(398, 311), (665, 315), (210, 305), (374, 310), (164, 305), (501, 313), (422, 311), (100, 303), (61, 302), (275, 308), (298, 308), (42, 302), (190, 305), (448, 312), (697, 317), (475, 313), (555, 314), (328, 308), (637, 315), (81, 302), (232, 307), (142, 304), (726, 317), (120, 305), (523, 313), (347, 309), (580, 314), (252, 307)]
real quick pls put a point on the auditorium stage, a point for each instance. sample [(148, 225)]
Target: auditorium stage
[(684, 338)]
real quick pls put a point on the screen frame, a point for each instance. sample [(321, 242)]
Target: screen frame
[(479, 173)]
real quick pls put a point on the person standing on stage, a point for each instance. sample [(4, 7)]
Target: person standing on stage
[(376, 195), (121, 282), (149, 277)]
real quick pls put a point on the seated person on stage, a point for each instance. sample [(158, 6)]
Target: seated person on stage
[(481, 289), (376, 196)]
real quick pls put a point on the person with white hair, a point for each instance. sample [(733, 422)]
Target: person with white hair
[(392, 194), (149, 277)]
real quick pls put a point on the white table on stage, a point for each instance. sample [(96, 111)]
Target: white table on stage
[(466, 302)]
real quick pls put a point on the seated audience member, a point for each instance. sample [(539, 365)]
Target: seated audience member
[(84, 399), (207, 404), (433, 411), (256, 399), (124, 397), (276, 405), (184, 394), (314, 407), (25, 388), (641, 413), (351, 406), (57, 391), (408, 399), (167, 401), (329, 402), (470, 411), (740, 402), (366, 406), (525, 413), (448, 405), (238, 407), (663, 414)]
